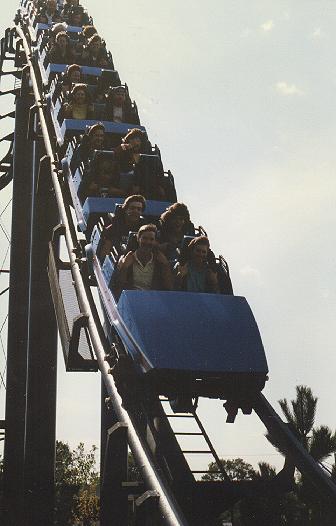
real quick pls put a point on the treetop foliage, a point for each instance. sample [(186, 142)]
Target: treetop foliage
[(75, 467)]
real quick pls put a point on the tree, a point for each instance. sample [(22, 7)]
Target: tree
[(86, 507), (258, 509), (75, 467), (301, 416), (236, 469), (302, 507), (275, 510), (266, 471), (76, 479), (320, 442)]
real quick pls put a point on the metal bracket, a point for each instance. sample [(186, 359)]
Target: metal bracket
[(59, 231), (32, 134), (19, 54), (75, 360), (147, 508)]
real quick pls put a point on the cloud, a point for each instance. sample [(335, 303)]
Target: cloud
[(267, 26), (288, 89)]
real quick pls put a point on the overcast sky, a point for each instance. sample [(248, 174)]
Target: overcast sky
[(239, 96)]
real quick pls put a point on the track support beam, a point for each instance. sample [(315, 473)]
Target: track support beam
[(42, 358), (18, 319), (113, 498), (147, 509)]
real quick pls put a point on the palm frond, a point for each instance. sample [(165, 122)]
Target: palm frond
[(266, 471), (304, 409), (322, 443), (286, 411)]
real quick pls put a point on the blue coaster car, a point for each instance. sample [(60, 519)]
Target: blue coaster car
[(194, 344)]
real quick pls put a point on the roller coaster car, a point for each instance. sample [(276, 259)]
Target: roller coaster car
[(186, 345)]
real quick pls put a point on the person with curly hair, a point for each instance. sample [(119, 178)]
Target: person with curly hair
[(80, 106), (61, 51), (93, 139), (94, 53), (174, 224)]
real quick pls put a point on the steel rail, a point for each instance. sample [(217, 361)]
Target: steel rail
[(171, 513)]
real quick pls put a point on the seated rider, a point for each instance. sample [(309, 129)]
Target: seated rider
[(93, 139), (61, 51), (80, 106), (77, 16), (128, 154), (68, 6), (174, 224), (129, 219), (196, 274), (103, 179), (71, 76), (147, 268), (87, 32), (118, 106), (94, 53), (54, 30), (132, 145), (49, 13)]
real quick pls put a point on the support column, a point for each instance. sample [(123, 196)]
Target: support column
[(18, 318), (113, 497), (42, 360)]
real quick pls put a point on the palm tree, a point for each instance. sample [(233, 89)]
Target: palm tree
[(320, 442), (302, 415)]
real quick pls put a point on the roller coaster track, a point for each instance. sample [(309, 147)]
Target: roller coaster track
[(169, 509), (169, 492)]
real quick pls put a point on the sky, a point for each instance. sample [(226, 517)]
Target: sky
[(239, 96)]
